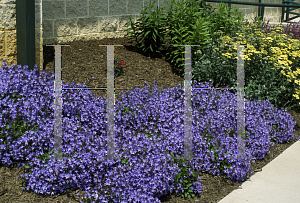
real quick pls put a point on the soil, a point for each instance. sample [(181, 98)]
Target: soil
[(85, 59)]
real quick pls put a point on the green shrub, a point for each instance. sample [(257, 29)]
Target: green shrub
[(210, 64), (270, 66), (185, 23), (148, 31), (194, 25)]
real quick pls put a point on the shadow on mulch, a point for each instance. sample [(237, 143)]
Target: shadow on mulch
[(85, 59)]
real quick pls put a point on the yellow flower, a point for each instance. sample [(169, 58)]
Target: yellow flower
[(297, 96), (247, 58), (281, 51), (228, 55)]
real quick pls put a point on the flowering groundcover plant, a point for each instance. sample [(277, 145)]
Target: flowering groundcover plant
[(149, 130)]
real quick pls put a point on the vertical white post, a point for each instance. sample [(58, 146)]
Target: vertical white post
[(58, 102), (110, 101), (188, 106), (188, 144), (240, 103)]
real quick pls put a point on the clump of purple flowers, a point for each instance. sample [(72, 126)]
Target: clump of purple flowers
[(149, 133)]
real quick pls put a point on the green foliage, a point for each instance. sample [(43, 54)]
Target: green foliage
[(187, 180), (44, 157), (209, 64), (16, 128), (151, 29), (187, 27), (228, 20), (210, 148), (266, 65), (188, 23), (119, 68)]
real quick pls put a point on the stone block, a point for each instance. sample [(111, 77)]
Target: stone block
[(65, 27), (118, 8), (8, 1), (10, 60), (134, 6), (47, 28), (2, 43), (39, 48), (248, 11), (38, 18), (272, 10), (98, 8), (76, 8), (87, 25), (8, 17), (108, 24), (39, 57), (53, 9), (11, 42), (38, 36)]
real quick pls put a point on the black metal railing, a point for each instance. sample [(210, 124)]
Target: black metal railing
[(261, 7)]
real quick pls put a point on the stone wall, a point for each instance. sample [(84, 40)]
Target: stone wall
[(8, 32), (62, 21)]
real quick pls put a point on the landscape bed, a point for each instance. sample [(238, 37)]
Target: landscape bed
[(149, 127), (166, 106)]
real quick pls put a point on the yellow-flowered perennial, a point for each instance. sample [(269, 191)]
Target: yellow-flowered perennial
[(283, 52)]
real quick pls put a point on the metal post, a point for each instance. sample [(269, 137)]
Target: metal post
[(58, 103), (282, 14), (287, 12), (188, 154), (25, 10), (260, 11)]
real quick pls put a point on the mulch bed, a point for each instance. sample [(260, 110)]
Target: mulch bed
[(85, 59)]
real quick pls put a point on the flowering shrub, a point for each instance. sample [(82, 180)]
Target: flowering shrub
[(145, 167), (271, 65), (119, 68)]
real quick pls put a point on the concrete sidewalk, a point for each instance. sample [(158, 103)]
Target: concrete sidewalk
[(278, 182)]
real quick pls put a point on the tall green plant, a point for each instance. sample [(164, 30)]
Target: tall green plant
[(186, 27), (228, 25), (185, 23), (205, 9), (151, 28)]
